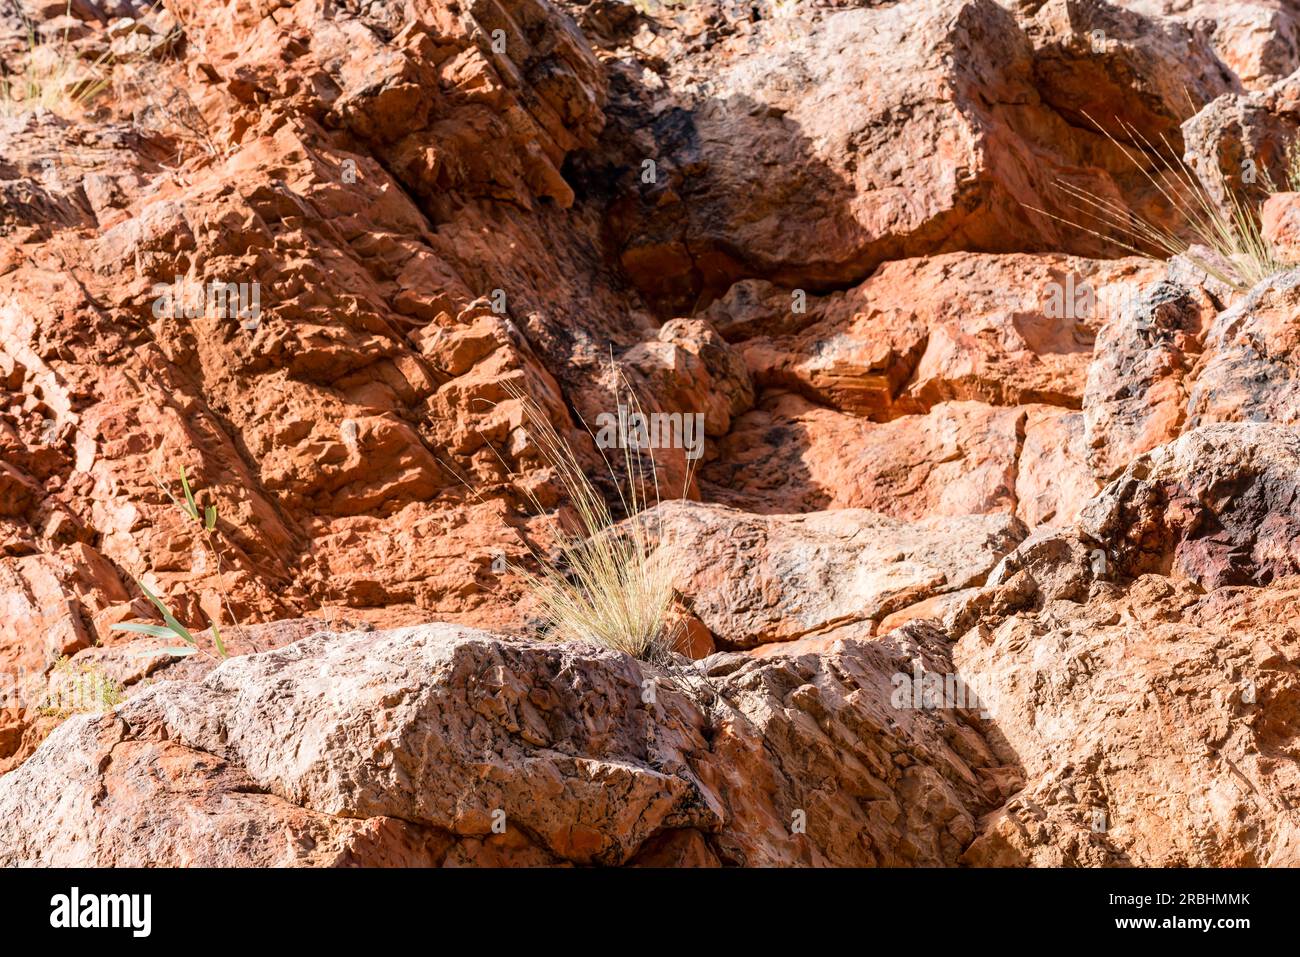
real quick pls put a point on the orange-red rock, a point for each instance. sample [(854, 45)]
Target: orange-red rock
[(995, 555)]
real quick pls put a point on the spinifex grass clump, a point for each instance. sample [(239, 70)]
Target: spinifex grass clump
[(1225, 243), (1293, 166), (52, 77), (605, 584)]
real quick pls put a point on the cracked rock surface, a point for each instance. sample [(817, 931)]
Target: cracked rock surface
[(989, 550)]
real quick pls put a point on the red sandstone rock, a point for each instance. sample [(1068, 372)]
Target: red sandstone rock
[(932, 128), (789, 455), (941, 448)]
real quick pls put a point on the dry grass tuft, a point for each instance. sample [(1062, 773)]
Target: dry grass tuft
[(1293, 166), (604, 584), (80, 689), (52, 77), (1222, 240)]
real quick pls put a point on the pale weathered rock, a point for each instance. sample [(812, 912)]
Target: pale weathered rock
[(1053, 481), (1258, 39), (453, 750), (439, 745), (997, 558), (1218, 506), (1249, 370), (1147, 726), (753, 579), (1136, 396), (1241, 142), (398, 747)]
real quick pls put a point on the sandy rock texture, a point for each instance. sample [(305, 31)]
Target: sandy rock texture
[(987, 554), (444, 745)]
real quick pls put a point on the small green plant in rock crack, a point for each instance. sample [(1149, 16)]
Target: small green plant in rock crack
[(205, 518)]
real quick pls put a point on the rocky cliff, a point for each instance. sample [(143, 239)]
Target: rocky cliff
[(992, 553)]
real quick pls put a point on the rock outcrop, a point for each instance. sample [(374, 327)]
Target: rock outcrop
[(986, 548), (442, 745)]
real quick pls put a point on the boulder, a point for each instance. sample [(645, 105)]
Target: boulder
[(753, 579)]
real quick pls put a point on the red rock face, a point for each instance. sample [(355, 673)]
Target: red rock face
[(984, 537)]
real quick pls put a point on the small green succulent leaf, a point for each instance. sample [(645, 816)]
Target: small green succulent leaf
[(191, 507), (180, 630), (157, 631), (216, 639)]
